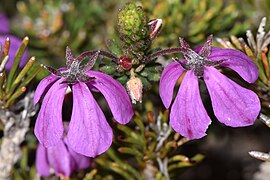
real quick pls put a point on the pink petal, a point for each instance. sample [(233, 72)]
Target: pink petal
[(188, 115), (49, 127), (43, 86), (15, 44), (233, 105), (115, 94), (60, 159), (238, 61), (89, 133), (42, 164), (80, 161), (168, 79)]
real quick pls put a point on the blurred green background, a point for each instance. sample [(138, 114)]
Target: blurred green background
[(85, 25)]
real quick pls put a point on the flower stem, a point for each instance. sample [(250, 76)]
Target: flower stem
[(101, 52), (162, 52)]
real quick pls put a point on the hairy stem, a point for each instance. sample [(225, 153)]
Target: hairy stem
[(101, 52), (162, 52)]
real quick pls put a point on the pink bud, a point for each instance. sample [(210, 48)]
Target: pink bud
[(134, 87), (155, 27)]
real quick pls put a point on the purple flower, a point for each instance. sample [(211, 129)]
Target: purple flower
[(14, 43), (61, 158), (233, 105), (89, 133)]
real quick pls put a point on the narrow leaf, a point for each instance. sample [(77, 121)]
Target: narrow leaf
[(6, 48), (22, 74), (15, 65)]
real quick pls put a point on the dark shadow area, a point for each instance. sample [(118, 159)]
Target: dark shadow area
[(226, 152)]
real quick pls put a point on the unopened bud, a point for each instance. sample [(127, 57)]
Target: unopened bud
[(155, 27), (125, 62), (134, 87)]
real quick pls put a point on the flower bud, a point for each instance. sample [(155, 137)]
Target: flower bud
[(125, 62), (132, 21), (155, 27), (134, 87)]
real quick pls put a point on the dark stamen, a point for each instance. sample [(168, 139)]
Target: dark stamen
[(69, 57), (52, 70), (91, 62), (183, 43), (206, 49)]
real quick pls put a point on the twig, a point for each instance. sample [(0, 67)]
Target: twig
[(163, 167), (15, 128)]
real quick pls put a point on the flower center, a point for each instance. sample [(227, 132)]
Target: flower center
[(75, 71), (197, 61), (72, 74)]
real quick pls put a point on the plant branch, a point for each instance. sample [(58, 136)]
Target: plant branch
[(15, 128)]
